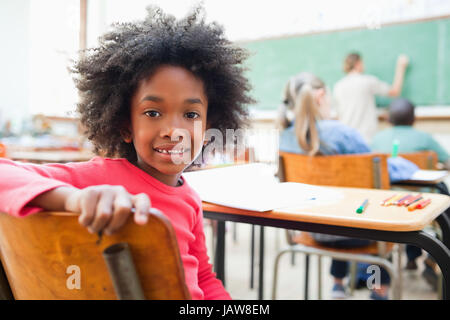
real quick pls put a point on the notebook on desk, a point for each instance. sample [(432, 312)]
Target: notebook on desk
[(428, 176), (254, 187)]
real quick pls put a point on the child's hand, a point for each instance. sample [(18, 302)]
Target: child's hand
[(106, 208)]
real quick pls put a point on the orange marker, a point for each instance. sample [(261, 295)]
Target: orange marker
[(419, 205)]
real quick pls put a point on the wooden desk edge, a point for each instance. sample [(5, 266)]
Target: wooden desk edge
[(306, 217)]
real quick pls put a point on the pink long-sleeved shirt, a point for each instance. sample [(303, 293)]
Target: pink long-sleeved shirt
[(20, 183)]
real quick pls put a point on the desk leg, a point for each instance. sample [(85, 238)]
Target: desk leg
[(306, 276), (220, 251), (442, 188), (444, 223), (252, 257), (440, 253), (261, 264)]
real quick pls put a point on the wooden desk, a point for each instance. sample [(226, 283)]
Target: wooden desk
[(50, 156), (416, 184), (392, 224), (428, 177)]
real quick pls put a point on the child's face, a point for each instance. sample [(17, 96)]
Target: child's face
[(323, 102), (164, 108)]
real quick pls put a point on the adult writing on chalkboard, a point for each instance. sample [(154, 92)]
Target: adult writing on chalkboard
[(355, 94)]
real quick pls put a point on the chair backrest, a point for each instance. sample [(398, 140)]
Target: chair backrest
[(425, 160), (354, 170), (42, 253)]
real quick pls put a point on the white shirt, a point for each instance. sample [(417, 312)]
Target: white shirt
[(355, 102)]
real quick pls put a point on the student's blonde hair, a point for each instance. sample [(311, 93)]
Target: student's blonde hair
[(298, 98), (350, 61)]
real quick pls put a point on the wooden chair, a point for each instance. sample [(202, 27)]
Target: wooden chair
[(425, 160), (357, 170), (354, 170), (42, 253)]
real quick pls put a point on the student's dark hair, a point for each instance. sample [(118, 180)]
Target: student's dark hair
[(350, 61), (401, 112), (107, 76)]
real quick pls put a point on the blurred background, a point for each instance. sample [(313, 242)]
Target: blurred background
[(41, 37)]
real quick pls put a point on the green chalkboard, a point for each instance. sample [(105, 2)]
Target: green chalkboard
[(427, 80)]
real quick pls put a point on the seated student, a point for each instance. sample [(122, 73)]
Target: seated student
[(307, 128), (304, 116), (401, 116), (143, 91)]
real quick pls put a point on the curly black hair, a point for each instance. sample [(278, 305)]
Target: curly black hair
[(107, 76)]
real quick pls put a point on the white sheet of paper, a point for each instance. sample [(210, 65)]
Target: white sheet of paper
[(429, 175), (253, 187)]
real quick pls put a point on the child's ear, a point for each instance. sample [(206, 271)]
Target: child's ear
[(126, 135)]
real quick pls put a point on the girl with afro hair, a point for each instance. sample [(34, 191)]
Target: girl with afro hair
[(149, 92)]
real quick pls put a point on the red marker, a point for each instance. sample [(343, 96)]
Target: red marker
[(420, 205), (423, 204), (402, 200)]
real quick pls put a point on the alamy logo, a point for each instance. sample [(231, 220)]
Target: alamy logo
[(374, 280), (74, 280)]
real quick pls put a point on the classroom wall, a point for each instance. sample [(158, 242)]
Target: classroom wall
[(427, 44), (14, 59)]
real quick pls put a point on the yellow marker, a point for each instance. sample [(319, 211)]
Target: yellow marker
[(393, 200), (386, 200)]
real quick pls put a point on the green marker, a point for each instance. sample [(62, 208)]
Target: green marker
[(363, 206), (395, 144)]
